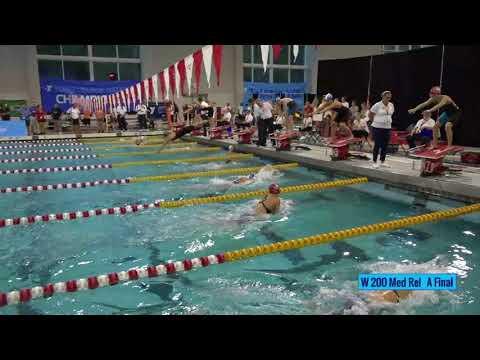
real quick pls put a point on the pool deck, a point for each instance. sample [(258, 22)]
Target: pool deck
[(403, 173)]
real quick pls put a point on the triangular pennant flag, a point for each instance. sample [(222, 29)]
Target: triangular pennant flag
[(265, 49), (127, 96), (150, 88), (132, 94), (295, 52), (182, 74), (171, 78), (162, 83), (145, 90), (197, 68), (189, 71), (167, 84), (139, 92), (177, 80), (155, 87), (122, 93), (277, 49), (207, 52), (217, 61)]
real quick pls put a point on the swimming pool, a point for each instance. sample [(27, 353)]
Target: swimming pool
[(314, 280)]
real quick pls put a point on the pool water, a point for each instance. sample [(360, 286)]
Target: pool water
[(314, 280)]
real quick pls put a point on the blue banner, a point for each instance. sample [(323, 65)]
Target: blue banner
[(407, 282), (54, 91), (270, 92)]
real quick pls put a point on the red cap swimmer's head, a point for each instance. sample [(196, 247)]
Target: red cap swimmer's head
[(435, 91), (274, 189)]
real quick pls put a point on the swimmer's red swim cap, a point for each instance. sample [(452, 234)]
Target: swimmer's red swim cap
[(436, 90), (274, 189)]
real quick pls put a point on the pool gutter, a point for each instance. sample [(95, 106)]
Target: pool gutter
[(447, 189)]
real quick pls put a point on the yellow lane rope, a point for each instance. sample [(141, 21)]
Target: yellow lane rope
[(169, 151), (151, 145), (190, 161)]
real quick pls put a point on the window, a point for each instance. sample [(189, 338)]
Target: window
[(50, 69), (283, 57), (297, 75), (48, 49), (130, 71), (76, 70), (102, 69), (81, 62), (129, 51), (280, 75), (247, 54), (75, 50), (282, 70), (104, 51), (247, 74), (261, 76)]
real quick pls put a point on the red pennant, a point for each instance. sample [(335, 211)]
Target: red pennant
[(182, 71), (162, 83), (150, 88), (197, 67), (137, 95), (277, 49), (217, 61), (142, 86), (171, 75)]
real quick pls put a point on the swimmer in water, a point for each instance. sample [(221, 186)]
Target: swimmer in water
[(392, 296), (250, 179), (271, 203)]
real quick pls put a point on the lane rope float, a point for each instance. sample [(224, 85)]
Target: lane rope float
[(131, 180), (39, 145), (55, 169), (122, 210), (135, 274), (65, 157), (150, 145), (115, 165), (43, 151), (69, 140), (170, 151)]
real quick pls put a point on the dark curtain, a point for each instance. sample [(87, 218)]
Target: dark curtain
[(345, 77), (461, 81), (409, 76)]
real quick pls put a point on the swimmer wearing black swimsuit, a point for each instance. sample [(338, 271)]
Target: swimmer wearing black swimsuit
[(343, 114), (183, 131), (269, 211)]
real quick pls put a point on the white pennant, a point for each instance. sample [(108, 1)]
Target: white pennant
[(132, 94), (155, 87), (147, 92), (265, 49), (177, 80), (295, 52), (189, 71), (123, 97), (139, 92), (207, 61), (167, 84), (127, 96)]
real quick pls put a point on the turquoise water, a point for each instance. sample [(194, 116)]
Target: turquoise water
[(316, 280)]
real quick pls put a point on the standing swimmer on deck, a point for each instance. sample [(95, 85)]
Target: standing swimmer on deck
[(271, 203), (450, 113)]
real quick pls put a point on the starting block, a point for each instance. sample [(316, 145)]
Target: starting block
[(341, 148), (432, 159), (283, 140), (245, 137)]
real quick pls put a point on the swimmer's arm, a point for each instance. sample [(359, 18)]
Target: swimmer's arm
[(329, 107), (421, 106), (445, 100)]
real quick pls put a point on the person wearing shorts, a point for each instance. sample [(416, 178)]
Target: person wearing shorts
[(450, 114)]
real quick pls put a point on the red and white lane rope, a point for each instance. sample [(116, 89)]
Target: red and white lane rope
[(73, 215), (38, 145), (78, 185), (111, 279), (69, 140), (65, 157), (55, 169), (43, 151)]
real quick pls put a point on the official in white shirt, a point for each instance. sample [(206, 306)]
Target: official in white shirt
[(423, 131), (265, 124), (381, 114), (142, 115), (74, 113)]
